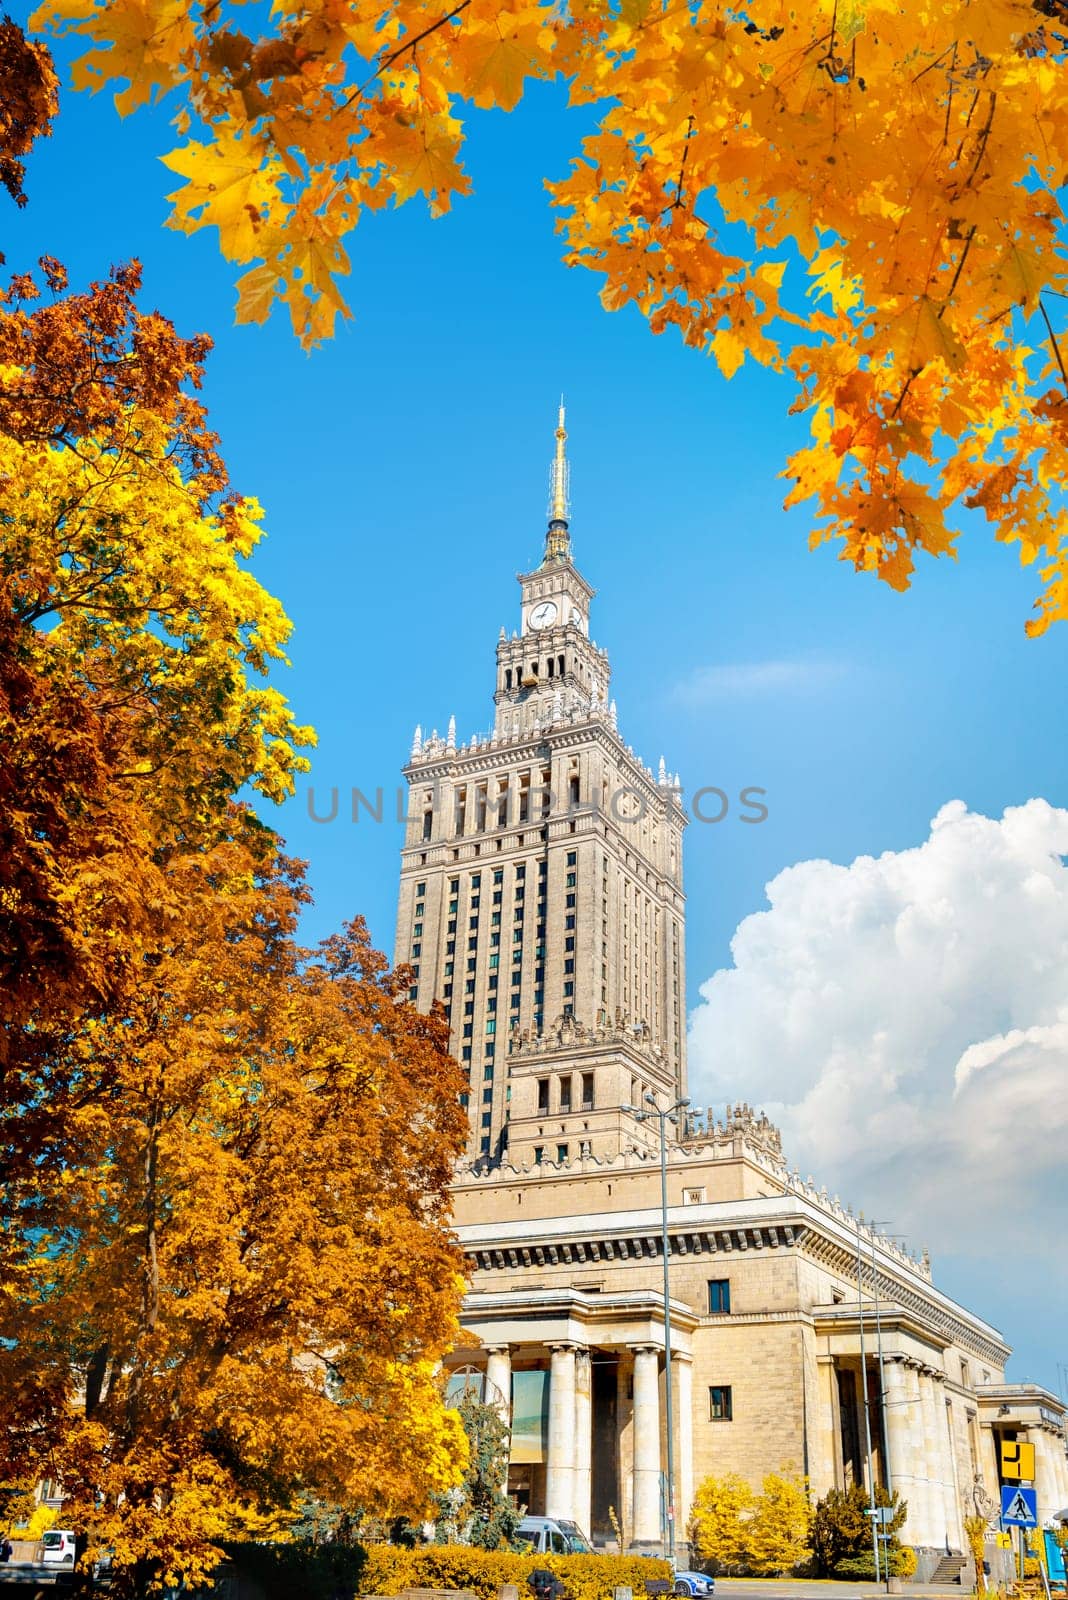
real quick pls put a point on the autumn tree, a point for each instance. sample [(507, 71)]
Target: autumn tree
[(242, 1280), (778, 1528), (29, 98), (721, 1508), (133, 639), (227, 1277), (858, 194)]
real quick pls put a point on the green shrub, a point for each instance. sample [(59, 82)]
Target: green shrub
[(861, 1569), (390, 1568)]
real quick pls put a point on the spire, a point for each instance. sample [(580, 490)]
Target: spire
[(417, 742), (558, 540), (450, 738)]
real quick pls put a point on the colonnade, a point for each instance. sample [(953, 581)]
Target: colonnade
[(923, 1467), (639, 1426)]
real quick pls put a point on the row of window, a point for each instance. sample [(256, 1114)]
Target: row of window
[(564, 1097)]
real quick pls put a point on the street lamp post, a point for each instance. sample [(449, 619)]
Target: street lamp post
[(663, 1116)]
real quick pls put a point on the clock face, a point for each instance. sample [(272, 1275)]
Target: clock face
[(576, 616), (543, 615)]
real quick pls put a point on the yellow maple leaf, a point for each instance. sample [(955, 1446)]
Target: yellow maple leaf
[(499, 57), (257, 290), (230, 185)]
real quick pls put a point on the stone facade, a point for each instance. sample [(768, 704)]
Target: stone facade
[(541, 901)]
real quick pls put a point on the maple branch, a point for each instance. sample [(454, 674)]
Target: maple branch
[(984, 135), (951, 49), (901, 396), (677, 202), (402, 49), (1053, 341), (960, 267)]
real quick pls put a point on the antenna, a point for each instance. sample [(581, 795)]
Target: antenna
[(558, 543)]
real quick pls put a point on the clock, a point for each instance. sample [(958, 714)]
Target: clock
[(576, 616), (543, 615)]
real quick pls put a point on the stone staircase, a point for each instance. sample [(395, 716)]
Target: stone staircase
[(948, 1570)]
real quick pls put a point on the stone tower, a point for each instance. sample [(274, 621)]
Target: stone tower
[(541, 890)]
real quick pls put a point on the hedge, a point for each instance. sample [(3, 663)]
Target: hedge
[(390, 1568)]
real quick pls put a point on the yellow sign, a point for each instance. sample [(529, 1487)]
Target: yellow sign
[(1004, 1541), (1017, 1461)]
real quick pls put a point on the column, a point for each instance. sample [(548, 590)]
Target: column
[(645, 1521), (560, 1466), (936, 1513), (956, 1527), (583, 1440), (897, 1444), (1045, 1487), (683, 1386), (950, 1494), (907, 1453), (499, 1379)]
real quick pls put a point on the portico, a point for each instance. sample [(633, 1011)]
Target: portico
[(584, 1377)]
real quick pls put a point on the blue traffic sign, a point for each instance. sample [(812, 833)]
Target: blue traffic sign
[(1019, 1507)]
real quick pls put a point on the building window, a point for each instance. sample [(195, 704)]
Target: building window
[(417, 950), (572, 857), (570, 901), (719, 1296), (420, 890), (569, 988), (572, 879), (487, 1119), (720, 1408), (491, 1022), (561, 1153), (417, 931), (543, 1094), (565, 1094), (539, 1154), (569, 922)]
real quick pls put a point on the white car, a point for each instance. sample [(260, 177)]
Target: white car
[(58, 1547)]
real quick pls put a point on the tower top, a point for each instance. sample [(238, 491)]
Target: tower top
[(558, 539)]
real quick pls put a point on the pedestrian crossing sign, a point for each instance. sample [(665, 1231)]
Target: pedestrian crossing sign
[(1019, 1507)]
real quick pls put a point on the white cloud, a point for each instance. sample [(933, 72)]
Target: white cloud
[(706, 685), (905, 1020)]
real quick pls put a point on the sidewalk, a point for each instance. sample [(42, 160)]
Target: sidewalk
[(798, 1588)]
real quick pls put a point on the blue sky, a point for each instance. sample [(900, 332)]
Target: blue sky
[(404, 470)]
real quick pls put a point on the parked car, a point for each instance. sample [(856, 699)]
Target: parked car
[(58, 1546), (694, 1583), (553, 1535)]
